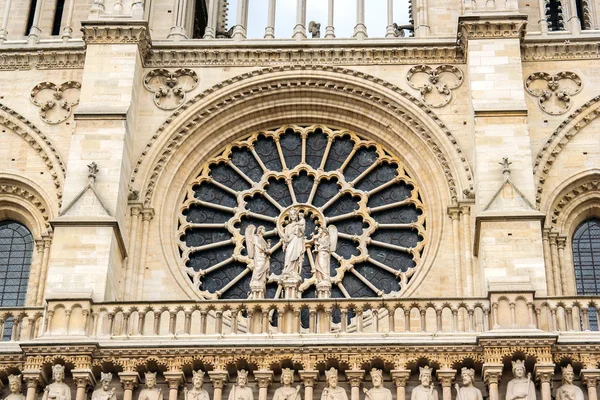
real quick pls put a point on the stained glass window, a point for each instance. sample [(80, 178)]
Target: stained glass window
[(586, 260)]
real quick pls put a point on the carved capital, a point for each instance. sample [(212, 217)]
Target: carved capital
[(454, 213), (173, 378), (590, 377), (109, 32), (492, 373), (544, 372), (264, 378), (355, 377), (491, 26), (400, 376), (32, 378), (83, 378), (309, 378), (129, 379), (446, 376), (218, 378)]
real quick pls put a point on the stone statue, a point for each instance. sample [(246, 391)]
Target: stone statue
[(57, 390), (426, 390), (196, 393), (14, 384), (520, 387), (241, 391), (325, 243), (315, 29), (333, 391), (294, 245), (260, 252), (377, 392), (103, 393), (286, 391), (468, 391), (568, 391), (151, 392)]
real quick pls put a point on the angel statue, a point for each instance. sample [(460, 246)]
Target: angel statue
[(57, 390), (259, 250), (294, 245), (315, 29), (103, 393), (14, 384), (325, 243)]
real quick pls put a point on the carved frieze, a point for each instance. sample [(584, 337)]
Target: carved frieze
[(170, 87), (56, 102), (435, 84), (554, 91)]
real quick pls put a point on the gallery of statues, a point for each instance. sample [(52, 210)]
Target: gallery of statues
[(299, 199)]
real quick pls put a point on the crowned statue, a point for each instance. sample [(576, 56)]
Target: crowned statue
[(468, 391), (333, 391), (294, 245), (196, 392), (520, 387), (57, 390), (240, 391), (286, 391), (568, 391), (426, 390), (151, 392), (14, 384), (103, 393), (260, 252), (377, 392)]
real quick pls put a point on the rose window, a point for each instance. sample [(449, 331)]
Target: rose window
[(320, 210)]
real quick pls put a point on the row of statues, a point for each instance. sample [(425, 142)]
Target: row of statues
[(521, 387)]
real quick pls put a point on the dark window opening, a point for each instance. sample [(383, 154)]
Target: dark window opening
[(586, 261), (200, 19), (554, 15), (32, 7), (584, 13), (58, 13)]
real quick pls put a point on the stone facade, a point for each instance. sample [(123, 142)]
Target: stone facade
[(118, 127)]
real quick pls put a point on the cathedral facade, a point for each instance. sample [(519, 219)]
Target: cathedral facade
[(188, 213)]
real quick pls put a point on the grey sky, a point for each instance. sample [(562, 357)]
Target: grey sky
[(316, 10)]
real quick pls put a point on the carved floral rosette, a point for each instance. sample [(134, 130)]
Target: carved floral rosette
[(170, 88), (435, 84), (56, 102), (554, 91), (335, 178)]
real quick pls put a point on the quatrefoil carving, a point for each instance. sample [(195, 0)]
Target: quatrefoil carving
[(435, 84), (170, 88), (56, 102), (554, 91)]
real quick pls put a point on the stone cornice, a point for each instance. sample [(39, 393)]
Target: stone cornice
[(563, 47), (490, 26), (113, 32), (50, 57)]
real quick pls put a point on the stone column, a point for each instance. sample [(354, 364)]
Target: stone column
[(565, 275), (35, 31), (590, 378), (44, 274), (300, 28), (360, 30), (129, 380), (543, 373), (239, 32), (574, 23), (264, 379), (309, 379), (330, 29), (3, 30), (389, 30), (177, 30), (68, 29), (355, 378), (270, 29), (548, 260), (147, 216), (400, 377), (174, 379), (454, 213), (211, 26), (492, 373), (543, 20), (553, 236), (33, 379), (83, 378), (219, 379), (446, 377)]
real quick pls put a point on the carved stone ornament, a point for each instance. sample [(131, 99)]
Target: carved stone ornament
[(169, 88), (435, 84), (337, 214), (554, 91), (56, 102)]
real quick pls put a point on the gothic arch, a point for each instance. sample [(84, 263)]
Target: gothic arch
[(39, 142), (559, 139), (392, 101)]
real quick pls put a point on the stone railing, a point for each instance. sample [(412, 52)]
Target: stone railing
[(230, 319)]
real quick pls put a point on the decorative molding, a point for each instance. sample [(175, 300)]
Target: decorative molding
[(490, 26), (170, 88), (558, 140), (42, 58), (547, 87), (111, 32), (182, 133), (592, 185), (560, 48), (13, 187), (56, 102), (221, 54), (444, 79), (39, 142)]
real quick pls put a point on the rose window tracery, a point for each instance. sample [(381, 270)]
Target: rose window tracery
[(302, 211)]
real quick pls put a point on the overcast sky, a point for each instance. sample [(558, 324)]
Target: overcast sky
[(316, 10)]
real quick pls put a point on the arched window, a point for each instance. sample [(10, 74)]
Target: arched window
[(586, 260), (554, 15), (16, 249)]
